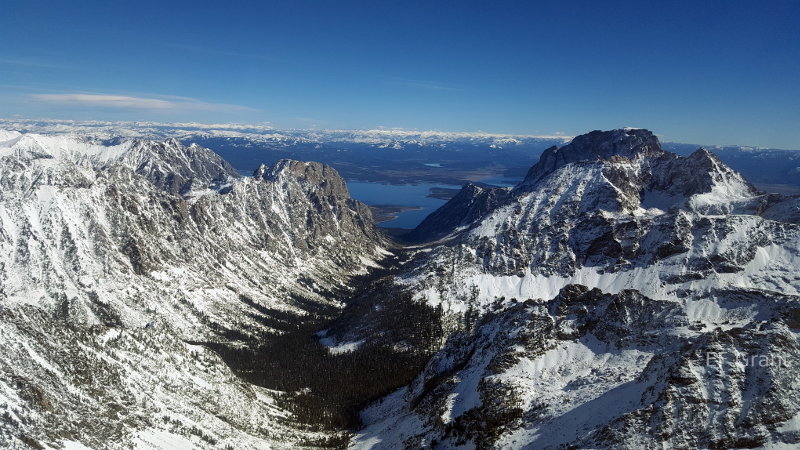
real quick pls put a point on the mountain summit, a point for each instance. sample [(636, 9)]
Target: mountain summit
[(628, 142)]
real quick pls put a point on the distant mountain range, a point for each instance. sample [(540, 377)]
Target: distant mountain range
[(399, 156)]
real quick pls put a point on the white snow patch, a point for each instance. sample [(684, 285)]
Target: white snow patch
[(335, 348), (158, 439), (72, 445), (368, 262)]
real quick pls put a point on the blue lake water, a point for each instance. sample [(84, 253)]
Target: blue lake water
[(399, 194), (410, 195)]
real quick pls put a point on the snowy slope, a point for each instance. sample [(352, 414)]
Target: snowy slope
[(592, 370)]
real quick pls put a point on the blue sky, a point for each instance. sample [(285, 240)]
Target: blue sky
[(706, 72)]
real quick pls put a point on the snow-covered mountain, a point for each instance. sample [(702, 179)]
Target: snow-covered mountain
[(620, 296), (168, 164), (606, 221), (117, 261)]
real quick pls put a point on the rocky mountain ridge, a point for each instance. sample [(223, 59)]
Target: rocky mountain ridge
[(110, 278)]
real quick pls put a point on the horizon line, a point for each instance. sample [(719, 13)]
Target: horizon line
[(268, 126)]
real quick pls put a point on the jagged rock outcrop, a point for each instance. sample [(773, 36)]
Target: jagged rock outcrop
[(594, 370)]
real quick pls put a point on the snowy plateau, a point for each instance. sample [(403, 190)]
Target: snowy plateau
[(620, 296)]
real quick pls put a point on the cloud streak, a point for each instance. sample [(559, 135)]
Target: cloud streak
[(423, 84), (32, 64), (127, 102), (211, 51)]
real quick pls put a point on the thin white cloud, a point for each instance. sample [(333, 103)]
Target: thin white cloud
[(32, 63), (113, 101), (211, 51), (153, 103), (423, 84)]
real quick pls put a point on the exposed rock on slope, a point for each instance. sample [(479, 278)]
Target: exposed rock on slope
[(591, 370)]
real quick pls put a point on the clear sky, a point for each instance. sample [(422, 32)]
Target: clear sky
[(704, 72)]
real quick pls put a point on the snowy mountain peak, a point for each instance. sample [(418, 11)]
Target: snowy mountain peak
[(621, 171), (175, 167), (469, 205), (628, 143)]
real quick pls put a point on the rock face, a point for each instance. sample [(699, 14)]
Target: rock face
[(620, 296), (329, 210), (627, 143), (109, 277), (469, 205)]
